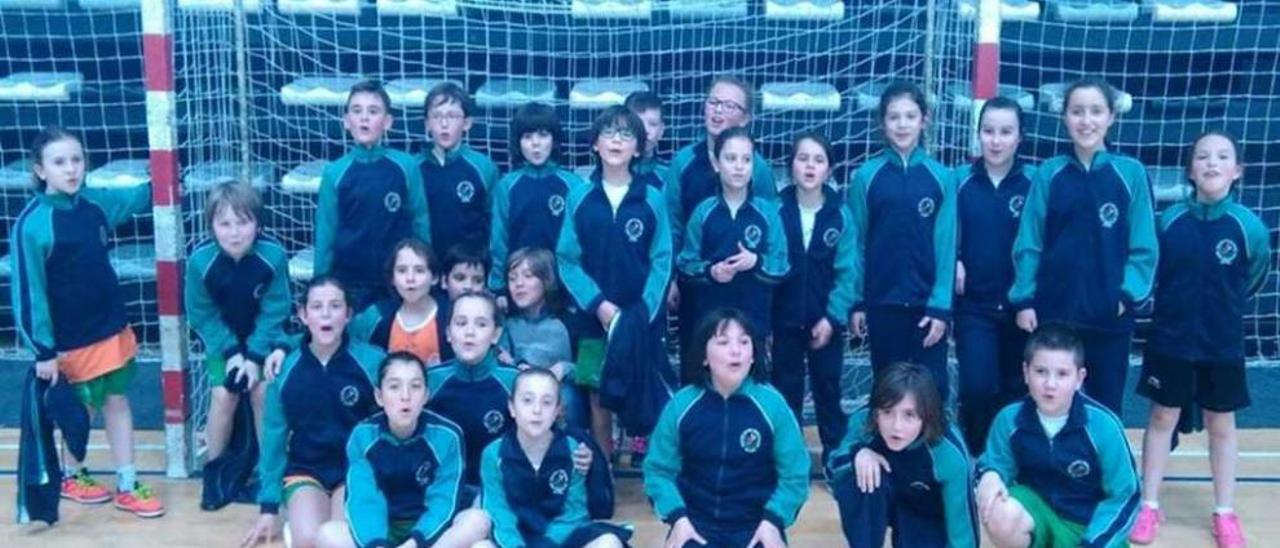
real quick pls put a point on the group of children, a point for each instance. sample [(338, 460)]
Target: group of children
[(463, 402)]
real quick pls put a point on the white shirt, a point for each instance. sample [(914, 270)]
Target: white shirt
[(1052, 425), (615, 194), (808, 217)]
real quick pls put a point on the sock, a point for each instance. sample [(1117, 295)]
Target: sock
[(126, 477), (1154, 505), (1223, 510)]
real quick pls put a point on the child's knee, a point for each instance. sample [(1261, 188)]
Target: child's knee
[(224, 399), (1164, 418), (333, 534), (475, 523)]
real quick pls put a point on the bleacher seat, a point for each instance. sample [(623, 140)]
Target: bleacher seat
[(513, 92), (250, 6), (329, 7), (318, 90), (304, 179), (412, 92), (40, 86), (1168, 183), (120, 174), (800, 96), (592, 94), (302, 265), (16, 175), (421, 8), (824, 10), (962, 95), (134, 261), (1192, 11), (1096, 11), (203, 176), (32, 4), (707, 9), (110, 4), (1010, 10), (612, 9)]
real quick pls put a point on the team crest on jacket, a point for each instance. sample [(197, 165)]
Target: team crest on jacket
[(1015, 205), (559, 481), (634, 229), (750, 440), (556, 204), (349, 396), (423, 475), (1108, 213), (392, 201), (926, 206), (466, 191), (259, 290), (493, 421), (1078, 469), (752, 235), (920, 486), (1226, 251), (831, 236)]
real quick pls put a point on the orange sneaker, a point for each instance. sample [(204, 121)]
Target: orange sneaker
[(142, 501), (82, 488)]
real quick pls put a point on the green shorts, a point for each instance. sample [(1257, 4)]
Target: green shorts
[(292, 484), (590, 363), (216, 368), (1049, 530), (399, 530), (94, 392)]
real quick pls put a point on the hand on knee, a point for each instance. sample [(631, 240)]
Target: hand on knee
[(473, 524), (1008, 524)]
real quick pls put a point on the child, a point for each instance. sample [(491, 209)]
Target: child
[(323, 389), (237, 300), (404, 471), (904, 210), (614, 251), (457, 178), (529, 203), (729, 104), (693, 179), (464, 270), (990, 197), (535, 335), (1057, 470), (410, 321), (370, 198), (1086, 250), (727, 464), (911, 469), (531, 490), (648, 107), (812, 304), (472, 389), (68, 306), (734, 247), (1214, 255)]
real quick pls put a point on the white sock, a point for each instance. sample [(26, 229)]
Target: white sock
[(1223, 510), (1152, 504), (126, 477)]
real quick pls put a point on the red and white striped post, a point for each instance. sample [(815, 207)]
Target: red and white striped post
[(166, 196), (986, 63)]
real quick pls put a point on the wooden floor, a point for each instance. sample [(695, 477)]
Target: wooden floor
[(1187, 502)]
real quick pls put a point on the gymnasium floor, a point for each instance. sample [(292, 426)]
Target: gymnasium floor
[(1187, 502)]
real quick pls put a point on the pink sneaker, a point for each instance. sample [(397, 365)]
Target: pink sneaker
[(1144, 531), (1227, 531)]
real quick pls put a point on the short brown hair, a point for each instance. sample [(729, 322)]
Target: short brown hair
[(243, 200), (748, 93), (542, 263)]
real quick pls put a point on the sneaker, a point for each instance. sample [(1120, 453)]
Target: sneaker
[(82, 488), (1144, 531), (142, 501), (1227, 531)]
